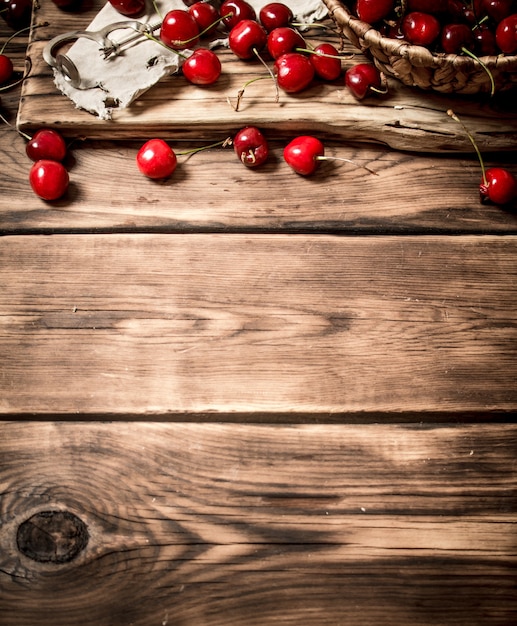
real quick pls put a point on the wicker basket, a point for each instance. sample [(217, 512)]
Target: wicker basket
[(418, 66)]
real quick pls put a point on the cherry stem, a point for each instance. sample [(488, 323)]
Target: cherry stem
[(255, 51), (451, 113), (329, 158), (240, 94), (157, 9), (489, 73), (322, 54), (19, 32), (28, 137), (224, 143)]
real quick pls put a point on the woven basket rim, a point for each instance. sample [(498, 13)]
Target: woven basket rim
[(418, 55)]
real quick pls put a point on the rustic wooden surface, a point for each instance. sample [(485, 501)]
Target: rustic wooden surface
[(407, 119), (367, 321)]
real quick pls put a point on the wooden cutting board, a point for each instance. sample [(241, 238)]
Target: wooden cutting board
[(406, 119)]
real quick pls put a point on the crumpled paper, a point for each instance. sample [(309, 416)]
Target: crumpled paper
[(118, 81)]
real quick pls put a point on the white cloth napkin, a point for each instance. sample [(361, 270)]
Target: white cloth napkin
[(118, 81)]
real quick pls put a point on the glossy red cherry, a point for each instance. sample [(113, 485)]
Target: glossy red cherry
[(251, 146), (49, 179), (497, 9), (203, 67), (6, 68), (234, 11), (362, 79), (484, 40), (456, 37), (303, 154), (294, 72), (16, 13), (421, 29), (247, 38), (500, 186), (129, 8), (506, 34), (274, 15), (156, 159), (282, 40), (326, 61), (179, 30), (372, 11), (46, 143), (206, 17), (459, 10)]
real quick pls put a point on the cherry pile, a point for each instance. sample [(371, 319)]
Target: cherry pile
[(478, 27)]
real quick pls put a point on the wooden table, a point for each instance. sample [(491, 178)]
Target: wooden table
[(244, 397)]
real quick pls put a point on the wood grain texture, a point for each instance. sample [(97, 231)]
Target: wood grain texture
[(222, 325), (234, 524), (212, 191), (408, 119)]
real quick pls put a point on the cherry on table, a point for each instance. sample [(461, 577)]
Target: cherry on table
[(203, 67), (6, 68), (234, 11), (46, 143), (206, 16), (498, 185), (247, 38), (156, 159), (16, 13), (129, 8), (326, 61), (282, 40), (49, 179), (179, 30), (362, 79), (274, 15), (294, 72), (251, 146), (303, 154)]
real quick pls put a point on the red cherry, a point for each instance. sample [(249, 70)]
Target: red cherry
[(233, 11), (456, 37), (179, 30), (156, 159), (46, 143), (6, 68), (421, 29), (497, 9), (484, 40), (282, 40), (325, 67), (500, 186), (203, 67), (251, 146), (17, 13), (362, 79), (294, 72), (49, 179), (129, 8), (206, 16), (303, 154), (372, 11), (462, 11), (274, 15), (247, 38), (506, 34)]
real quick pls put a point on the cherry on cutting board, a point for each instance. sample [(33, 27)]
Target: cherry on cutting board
[(156, 159), (363, 79), (274, 15), (251, 146), (49, 179), (282, 40), (6, 68), (294, 72), (303, 154), (179, 30), (129, 8), (234, 11), (203, 67), (46, 143), (247, 39)]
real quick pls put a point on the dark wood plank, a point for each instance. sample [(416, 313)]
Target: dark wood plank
[(252, 326), (409, 119), (233, 524)]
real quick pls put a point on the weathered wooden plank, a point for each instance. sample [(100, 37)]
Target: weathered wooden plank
[(409, 119), (213, 191), (234, 524), (222, 325)]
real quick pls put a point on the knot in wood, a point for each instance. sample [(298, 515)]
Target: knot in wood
[(52, 537)]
